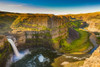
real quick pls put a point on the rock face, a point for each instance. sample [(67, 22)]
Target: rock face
[(94, 60), (94, 25), (4, 50), (2, 41), (6, 19), (93, 19), (72, 35), (40, 30), (20, 37)]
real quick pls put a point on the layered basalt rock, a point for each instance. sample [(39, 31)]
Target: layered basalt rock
[(40, 30), (72, 35), (94, 60), (94, 25), (5, 49)]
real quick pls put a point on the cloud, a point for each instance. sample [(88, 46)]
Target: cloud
[(22, 8), (9, 5)]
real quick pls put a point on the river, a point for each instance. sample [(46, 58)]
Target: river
[(92, 40)]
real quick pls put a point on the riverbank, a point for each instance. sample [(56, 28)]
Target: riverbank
[(79, 45), (72, 60), (93, 40)]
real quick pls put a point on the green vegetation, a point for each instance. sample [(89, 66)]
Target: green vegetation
[(76, 23), (29, 23), (78, 45), (5, 51), (41, 39), (5, 22), (93, 18)]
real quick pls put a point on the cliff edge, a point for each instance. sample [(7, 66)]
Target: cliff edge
[(94, 60)]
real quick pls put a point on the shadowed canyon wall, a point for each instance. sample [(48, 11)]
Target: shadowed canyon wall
[(5, 49), (40, 30), (31, 30)]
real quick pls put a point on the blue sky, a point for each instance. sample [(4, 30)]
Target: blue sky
[(50, 6)]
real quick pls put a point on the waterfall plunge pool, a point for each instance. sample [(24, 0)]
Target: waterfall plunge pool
[(37, 57)]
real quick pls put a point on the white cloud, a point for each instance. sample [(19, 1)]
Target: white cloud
[(21, 8)]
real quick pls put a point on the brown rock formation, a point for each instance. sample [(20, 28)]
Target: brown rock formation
[(72, 35), (4, 50), (2, 41), (94, 60), (40, 29), (94, 25)]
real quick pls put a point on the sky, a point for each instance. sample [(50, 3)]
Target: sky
[(50, 6)]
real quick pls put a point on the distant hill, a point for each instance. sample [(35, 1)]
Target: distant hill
[(93, 19), (7, 19)]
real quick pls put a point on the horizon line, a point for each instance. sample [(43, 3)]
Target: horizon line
[(49, 13)]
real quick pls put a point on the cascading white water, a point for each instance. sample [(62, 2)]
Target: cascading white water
[(14, 48), (17, 55)]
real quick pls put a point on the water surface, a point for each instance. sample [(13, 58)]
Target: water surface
[(39, 57)]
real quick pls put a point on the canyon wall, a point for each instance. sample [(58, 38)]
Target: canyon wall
[(94, 60), (94, 25), (5, 49), (92, 19), (31, 30), (40, 30)]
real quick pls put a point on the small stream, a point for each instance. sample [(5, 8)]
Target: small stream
[(93, 41)]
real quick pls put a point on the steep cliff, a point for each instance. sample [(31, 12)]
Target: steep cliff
[(94, 60), (40, 29), (6, 19), (5, 49), (94, 25), (47, 30)]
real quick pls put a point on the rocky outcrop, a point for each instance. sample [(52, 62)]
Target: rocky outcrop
[(94, 60), (2, 41), (20, 37), (6, 19), (5, 49), (93, 20), (72, 35), (40, 29), (94, 25)]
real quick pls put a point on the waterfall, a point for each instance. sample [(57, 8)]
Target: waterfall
[(14, 47), (18, 55)]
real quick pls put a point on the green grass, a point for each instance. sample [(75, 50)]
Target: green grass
[(76, 23), (79, 44)]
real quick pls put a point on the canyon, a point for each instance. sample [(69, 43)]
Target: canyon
[(62, 33)]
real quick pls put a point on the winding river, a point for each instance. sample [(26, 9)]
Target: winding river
[(92, 40), (41, 57)]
